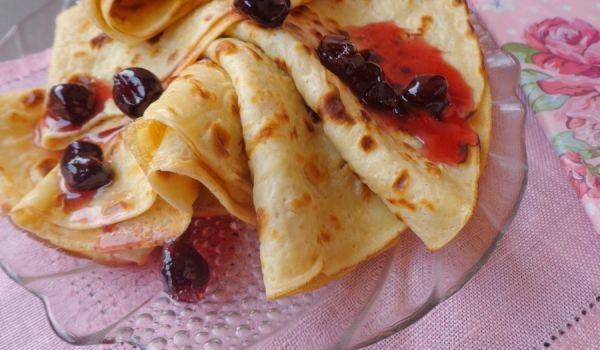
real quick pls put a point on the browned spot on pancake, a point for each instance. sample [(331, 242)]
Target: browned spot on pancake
[(401, 182), (303, 48), (364, 115), (335, 222), (171, 110), (220, 140), (294, 134), (292, 28), (302, 202), (154, 39), (266, 132), (300, 158), (44, 166), (309, 126), (408, 158), (427, 204), (235, 107), (426, 22), (282, 65), (225, 47), (202, 90), (254, 54), (172, 56), (317, 34), (457, 2), (367, 143), (331, 106), (324, 237), (432, 168), (33, 98), (282, 117), (314, 259), (99, 40), (402, 203), (314, 173), (408, 146), (80, 54), (136, 59)]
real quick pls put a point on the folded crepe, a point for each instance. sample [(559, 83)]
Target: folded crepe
[(434, 199), (22, 163), (137, 20), (83, 52), (316, 220), (26, 166), (123, 215), (189, 143)]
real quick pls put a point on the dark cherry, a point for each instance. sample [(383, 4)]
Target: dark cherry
[(134, 89), (383, 96), (335, 52), (364, 77), (429, 92), (185, 273), (83, 168), (270, 13), (72, 102)]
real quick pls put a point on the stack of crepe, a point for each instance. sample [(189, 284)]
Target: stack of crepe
[(250, 124)]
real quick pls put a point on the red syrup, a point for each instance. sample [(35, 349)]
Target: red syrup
[(403, 57)]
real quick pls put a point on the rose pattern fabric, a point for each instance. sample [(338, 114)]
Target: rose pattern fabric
[(560, 78), (567, 47)]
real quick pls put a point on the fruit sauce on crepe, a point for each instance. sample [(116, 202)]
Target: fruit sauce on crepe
[(94, 93), (403, 59)]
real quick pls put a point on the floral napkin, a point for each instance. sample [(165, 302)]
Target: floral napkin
[(558, 45)]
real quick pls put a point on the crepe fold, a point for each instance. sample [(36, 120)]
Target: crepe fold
[(137, 20), (22, 163), (120, 222), (81, 50), (435, 200), (316, 220), (189, 143)]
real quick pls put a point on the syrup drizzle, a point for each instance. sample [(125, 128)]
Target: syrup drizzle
[(402, 57)]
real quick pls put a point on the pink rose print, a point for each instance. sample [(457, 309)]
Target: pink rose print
[(570, 85), (580, 176), (582, 114), (566, 47)]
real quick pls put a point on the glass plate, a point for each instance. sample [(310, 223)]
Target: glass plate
[(88, 303)]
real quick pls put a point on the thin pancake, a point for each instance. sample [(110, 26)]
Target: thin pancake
[(316, 219), (81, 49), (22, 163), (193, 133), (435, 200), (137, 20), (127, 196)]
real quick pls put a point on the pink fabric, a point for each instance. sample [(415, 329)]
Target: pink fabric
[(540, 288), (558, 45)]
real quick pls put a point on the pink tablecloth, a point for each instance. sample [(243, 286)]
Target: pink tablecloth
[(540, 289)]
